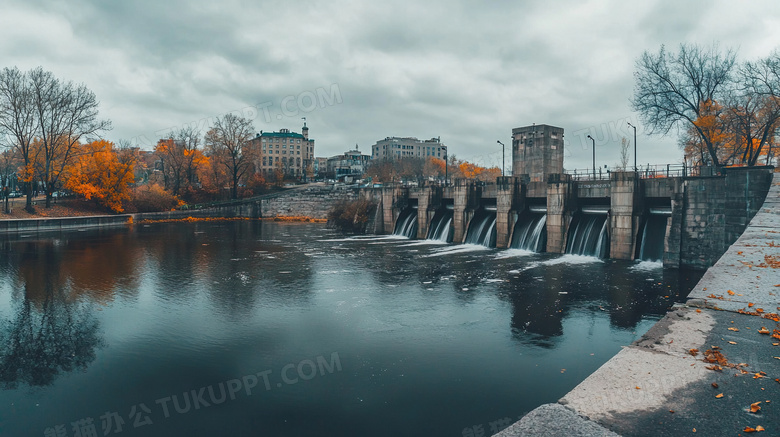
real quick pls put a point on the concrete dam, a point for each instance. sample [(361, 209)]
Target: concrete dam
[(683, 221)]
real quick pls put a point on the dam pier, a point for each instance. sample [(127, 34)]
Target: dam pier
[(681, 220)]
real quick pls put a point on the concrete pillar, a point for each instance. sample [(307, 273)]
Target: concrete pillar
[(460, 193), (505, 193), (423, 215), (623, 188), (559, 196), (388, 208)]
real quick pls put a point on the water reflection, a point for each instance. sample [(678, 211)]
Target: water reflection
[(430, 335), (46, 336), (544, 294)]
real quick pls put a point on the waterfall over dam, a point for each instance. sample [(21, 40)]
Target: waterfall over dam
[(680, 221), (530, 233)]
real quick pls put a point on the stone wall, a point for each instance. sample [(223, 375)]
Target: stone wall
[(715, 211), (314, 201)]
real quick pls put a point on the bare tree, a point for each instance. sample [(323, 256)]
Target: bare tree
[(65, 114), (228, 142), (625, 147), (671, 90), (18, 121), (755, 108)]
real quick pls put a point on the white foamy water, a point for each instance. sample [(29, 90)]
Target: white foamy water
[(366, 238), (514, 253), (461, 248), (425, 243), (645, 266), (572, 259)]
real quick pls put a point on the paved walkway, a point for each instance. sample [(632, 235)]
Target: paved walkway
[(702, 368)]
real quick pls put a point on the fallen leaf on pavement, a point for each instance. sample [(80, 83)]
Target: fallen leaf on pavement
[(755, 407)]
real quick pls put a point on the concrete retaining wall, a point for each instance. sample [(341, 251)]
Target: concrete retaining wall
[(61, 224)]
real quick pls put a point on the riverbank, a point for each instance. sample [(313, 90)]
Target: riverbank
[(710, 366), (70, 207)]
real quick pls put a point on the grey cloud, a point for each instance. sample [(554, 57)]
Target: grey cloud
[(463, 70)]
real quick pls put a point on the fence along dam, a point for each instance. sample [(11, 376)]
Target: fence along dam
[(678, 220)]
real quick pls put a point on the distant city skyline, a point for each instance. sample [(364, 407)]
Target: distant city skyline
[(465, 72)]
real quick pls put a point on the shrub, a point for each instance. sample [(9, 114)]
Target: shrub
[(153, 198), (351, 216)]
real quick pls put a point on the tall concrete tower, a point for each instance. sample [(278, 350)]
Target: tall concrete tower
[(537, 151)]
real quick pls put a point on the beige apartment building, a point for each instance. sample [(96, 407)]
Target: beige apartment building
[(290, 152), (408, 147)]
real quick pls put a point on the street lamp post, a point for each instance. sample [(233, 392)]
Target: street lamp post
[(503, 155), (635, 169), (594, 156), (446, 169)]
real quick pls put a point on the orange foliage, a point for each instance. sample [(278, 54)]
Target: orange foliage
[(473, 171), (102, 173)]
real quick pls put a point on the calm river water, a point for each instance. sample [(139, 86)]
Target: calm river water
[(266, 329)]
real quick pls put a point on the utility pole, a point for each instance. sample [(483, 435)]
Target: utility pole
[(594, 156), (503, 157)]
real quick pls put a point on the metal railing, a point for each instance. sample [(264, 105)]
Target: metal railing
[(646, 172)]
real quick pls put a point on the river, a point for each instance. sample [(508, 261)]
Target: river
[(261, 328)]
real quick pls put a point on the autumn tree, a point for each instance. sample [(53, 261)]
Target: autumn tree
[(18, 122), (102, 173), (672, 89), (434, 168), (754, 110), (180, 159), (65, 113), (227, 142)]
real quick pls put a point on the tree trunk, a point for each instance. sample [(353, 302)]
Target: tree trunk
[(28, 206)]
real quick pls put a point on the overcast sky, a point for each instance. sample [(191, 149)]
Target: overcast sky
[(467, 72)]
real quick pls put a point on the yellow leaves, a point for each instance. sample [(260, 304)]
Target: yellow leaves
[(719, 395), (772, 261), (693, 352), (732, 342), (98, 173), (731, 293), (763, 330), (755, 407), (756, 429), (734, 329)]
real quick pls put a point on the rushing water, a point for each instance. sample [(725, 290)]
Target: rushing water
[(482, 229), (406, 225), (588, 236), (651, 245), (529, 233), (249, 328)]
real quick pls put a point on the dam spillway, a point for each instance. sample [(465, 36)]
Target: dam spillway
[(681, 221)]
